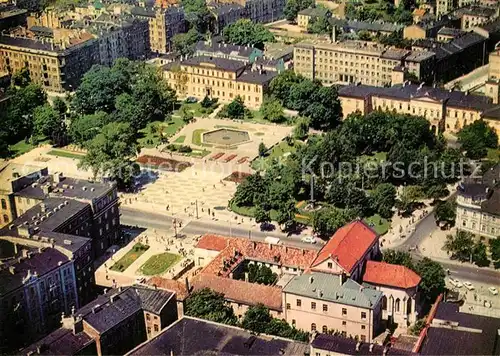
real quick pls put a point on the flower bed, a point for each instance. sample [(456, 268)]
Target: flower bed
[(237, 177), (164, 164), (229, 158), (217, 156)]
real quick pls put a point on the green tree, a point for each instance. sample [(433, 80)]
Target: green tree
[(364, 35), (301, 129), (479, 254), (495, 251), (262, 149), (261, 274), (432, 283), (262, 216), (476, 138), (250, 191), (410, 195), (398, 258), (184, 43), (110, 154), (446, 212), (256, 319), (48, 123), (210, 305), (21, 78), (84, 128), (383, 199), (235, 109), (60, 106), (247, 33), (319, 25), (461, 246), (272, 110), (328, 220), (293, 7)]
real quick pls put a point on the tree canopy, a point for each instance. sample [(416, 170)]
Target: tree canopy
[(293, 7), (476, 138), (247, 33), (208, 304)]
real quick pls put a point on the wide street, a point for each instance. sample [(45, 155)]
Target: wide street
[(199, 227)]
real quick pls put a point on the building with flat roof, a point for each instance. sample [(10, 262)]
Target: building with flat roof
[(218, 49), (114, 323), (191, 336), (34, 289), (220, 78)]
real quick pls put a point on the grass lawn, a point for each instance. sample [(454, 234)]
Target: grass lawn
[(169, 128), (180, 139), (377, 157), (493, 154), (158, 264), (67, 154), (20, 148), (123, 263), (196, 139), (195, 108), (250, 211), (380, 225), (261, 163)]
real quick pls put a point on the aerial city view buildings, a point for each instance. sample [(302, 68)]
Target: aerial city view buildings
[(250, 177)]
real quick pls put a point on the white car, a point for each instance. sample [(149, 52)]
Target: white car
[(493, 290), (469, 285), (455, 282), (309, 239)]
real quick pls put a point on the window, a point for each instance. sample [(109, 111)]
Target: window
[(330, 265), (148, 316), (363, 315), (299, 303), (4, 204), (325, 307), (293, 322), (384, 303), (344, 333), (344, 323), (313, 305), (156, 328), (344, 311), (5, 218), (324, 329), (288, 306), (149, 329), (363, 327), (313, 327), (398, 306)]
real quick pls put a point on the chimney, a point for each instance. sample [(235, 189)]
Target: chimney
[(311, 279), (358, 344), (12, 269), (188, 286), (105, 291), (320, 293), (112, 299), (246, 276), (43, 208), (371, 347), (24, 252)]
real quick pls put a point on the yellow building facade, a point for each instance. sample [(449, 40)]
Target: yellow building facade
[(220, 78)]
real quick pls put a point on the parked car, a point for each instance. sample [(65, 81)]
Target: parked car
[(493, 290), (309, 239), (191, 100), (469, 285), (455, 282)]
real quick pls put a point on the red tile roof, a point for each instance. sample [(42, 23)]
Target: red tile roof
[(212, 242), (171, 285), (348, 245), (240, 291), (239, 249), (387, 274)]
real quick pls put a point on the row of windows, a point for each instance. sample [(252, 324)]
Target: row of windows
[(325, 308), (324, 330)]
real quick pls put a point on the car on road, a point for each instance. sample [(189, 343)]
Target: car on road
[(468, 285), (455, 282), (309, 239), (493, 290)]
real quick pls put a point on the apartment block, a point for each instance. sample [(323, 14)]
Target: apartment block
[(163, 25), (36, 285), (220, 78), (429, 27), (445, 110), (262, 11), (56, 66), (473, 15), (348, 62), (113, 323), (226, 14)]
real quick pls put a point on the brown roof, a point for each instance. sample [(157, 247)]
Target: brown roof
[(240, 291), (171, 285), (387, 274), (212, 242), (239, 249)]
